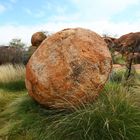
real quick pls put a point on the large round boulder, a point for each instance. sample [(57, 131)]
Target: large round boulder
[(68, 69), (37, 38)]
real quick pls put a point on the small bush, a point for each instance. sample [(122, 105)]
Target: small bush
[(119, 60), (117, 76)]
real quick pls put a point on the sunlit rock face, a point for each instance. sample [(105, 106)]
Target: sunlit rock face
[(68, 69)]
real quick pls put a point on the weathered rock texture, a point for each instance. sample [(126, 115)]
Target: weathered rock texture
[(37, 38), (69, 69), (129, 42)]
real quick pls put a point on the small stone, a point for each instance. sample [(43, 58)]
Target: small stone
[(69, 69)]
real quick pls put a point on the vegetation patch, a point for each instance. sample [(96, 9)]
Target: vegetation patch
[(12, 77), (115, 115)]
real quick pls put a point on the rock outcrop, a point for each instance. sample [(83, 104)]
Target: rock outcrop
[(129, 43), (68, 69)]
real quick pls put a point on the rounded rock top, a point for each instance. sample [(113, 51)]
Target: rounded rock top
[(37, 38), (69, 69)]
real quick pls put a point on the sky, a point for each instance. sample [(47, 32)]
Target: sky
[(21, 18)]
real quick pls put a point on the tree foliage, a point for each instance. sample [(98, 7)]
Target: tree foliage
[(16, 43)]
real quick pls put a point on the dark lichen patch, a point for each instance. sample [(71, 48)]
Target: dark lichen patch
[(76, 70)]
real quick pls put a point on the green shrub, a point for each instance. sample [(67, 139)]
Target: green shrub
[(119, 60), (117, 76)]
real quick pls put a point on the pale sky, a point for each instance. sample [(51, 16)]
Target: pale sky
[(21, 18)]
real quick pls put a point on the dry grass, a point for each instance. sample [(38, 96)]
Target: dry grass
[(11, 73)]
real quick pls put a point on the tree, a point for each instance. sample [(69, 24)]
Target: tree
[(12, 55), (16, 43)]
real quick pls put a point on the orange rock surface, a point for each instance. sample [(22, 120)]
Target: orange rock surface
[(129, 42), (69, 69), (37, 38)]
